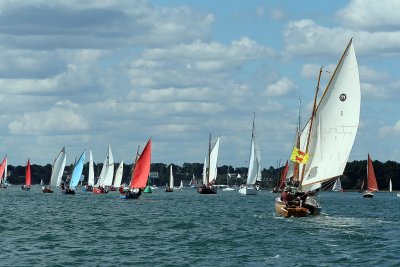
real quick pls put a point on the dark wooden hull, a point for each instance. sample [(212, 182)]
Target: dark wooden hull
[(169, 189), (208, 190)]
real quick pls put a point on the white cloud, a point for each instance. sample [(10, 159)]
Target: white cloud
[(306, 38), (388, 131), (370, 15), (47, 122), (282, 87)]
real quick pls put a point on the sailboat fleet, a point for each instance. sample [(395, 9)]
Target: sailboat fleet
[(320, 153)]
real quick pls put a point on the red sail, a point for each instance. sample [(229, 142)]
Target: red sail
[(28, 173), (283, 176), (142, 168), (2, 168), (372, 185)]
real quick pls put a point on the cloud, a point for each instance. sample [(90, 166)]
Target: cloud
[(47, 122), (282, 87), (109, 24), (388, 131), (277, 14), (370, 15), (308, 39)]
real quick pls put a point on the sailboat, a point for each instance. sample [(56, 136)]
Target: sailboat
[(140, 173), (106, 175), (254, 171), (180, 185), (372, 185), (170, 187), (3, 170), (390, 185), (337, 186), (28, 183), (75, 177), (210, 171), (328, 137), (57, 171), (193, 182)]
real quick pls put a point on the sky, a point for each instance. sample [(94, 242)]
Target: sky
[(85, 74)]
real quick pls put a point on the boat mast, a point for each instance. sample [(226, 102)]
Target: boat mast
[(296, 165), (311, 122)]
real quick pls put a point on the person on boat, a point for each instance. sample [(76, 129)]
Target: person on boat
[(62, 186), (286, 195)]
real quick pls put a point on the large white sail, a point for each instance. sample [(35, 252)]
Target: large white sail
[(118, 174), (171, 177), (58, 168), (91, 170), (335, 123), (107, 172), (254, 171), (213, 162)]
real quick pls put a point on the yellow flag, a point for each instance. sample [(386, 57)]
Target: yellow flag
[(299, 156)]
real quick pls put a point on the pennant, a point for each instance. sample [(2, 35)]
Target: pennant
[(299, 156)]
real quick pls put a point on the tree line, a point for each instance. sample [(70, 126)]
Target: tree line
[(353, 176)]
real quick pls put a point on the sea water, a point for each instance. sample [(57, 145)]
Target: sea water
[(184, 228)]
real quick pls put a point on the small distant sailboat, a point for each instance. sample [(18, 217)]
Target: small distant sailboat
[(180, 185), (210, 171), (337, 186), (106, 175), (28, 182), (75, 177), (193, 182), (390, 185), (3, 170), (140, 173), (57, 171), (254, 171), (170, 187), (372, 185)]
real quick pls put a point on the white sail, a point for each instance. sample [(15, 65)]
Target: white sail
[(335, 123), (337, 186), (181, 185), (118, 174), (58, 168), (213, 162), (91, 170), (205, 172), (171, 177), (107, 172), (390, 185), (254, 171)]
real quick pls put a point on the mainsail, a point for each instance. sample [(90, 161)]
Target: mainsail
[(3, 169), (28, 174), (335, 123), (77, 172), (142, 168), (371, 178), (57, 170), (254, 171), (212, 171), (118, 174), (171, 177), (107, 172), (91, 170)]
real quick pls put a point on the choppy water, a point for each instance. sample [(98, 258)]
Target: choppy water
[(184, 228)]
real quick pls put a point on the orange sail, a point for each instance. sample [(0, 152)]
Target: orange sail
[(2, 168), (142, 168), (28, 173), (371, 182)]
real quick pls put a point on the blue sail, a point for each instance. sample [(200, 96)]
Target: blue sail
[(77, 172)]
